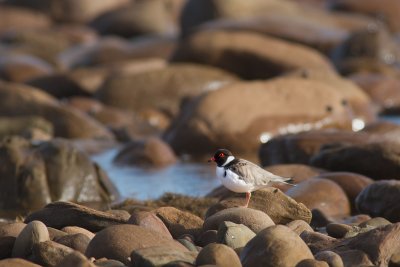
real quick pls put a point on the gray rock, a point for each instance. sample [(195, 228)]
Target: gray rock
[(234, 235), (160, 255)]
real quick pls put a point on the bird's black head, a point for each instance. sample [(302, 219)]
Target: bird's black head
[(220, 157)]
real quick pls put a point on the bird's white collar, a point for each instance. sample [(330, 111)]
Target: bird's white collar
[(228, 160)]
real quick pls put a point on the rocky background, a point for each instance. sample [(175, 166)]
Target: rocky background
[(296, 85)]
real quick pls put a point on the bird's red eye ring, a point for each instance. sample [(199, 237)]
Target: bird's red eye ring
[(221, 155)]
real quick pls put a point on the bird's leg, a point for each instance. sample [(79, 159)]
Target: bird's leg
[(248, 196)]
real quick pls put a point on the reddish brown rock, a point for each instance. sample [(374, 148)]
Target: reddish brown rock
[(78, 242), (218, 255), (312, 263), (15, 262), (11, 229), (150, 221), (14, 18), (321, 194), (50, 253), (77, 230), (299, 226), (161, 256), (316, 241)]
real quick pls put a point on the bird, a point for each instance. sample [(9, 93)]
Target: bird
[(243, 176)]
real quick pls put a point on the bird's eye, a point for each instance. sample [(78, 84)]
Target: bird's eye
[(221, 155)]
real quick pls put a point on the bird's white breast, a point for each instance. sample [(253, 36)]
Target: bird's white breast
[(231, 181)]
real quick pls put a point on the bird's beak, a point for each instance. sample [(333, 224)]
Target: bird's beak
[(212, 159)]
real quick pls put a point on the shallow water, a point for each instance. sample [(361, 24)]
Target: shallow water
[(194, 179)]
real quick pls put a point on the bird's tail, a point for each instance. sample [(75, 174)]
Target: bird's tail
[(284, 180)]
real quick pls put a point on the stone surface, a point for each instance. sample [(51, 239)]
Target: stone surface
[(50, 253), (275, 246), (14, 18), (219, 255), (11, 229), (197, 130), (151, 152), (380, 199), (31, 127), (299, 226), (150, 221), (207, 237), (355, 258), (15, 262), (33, 233), (76, 259), (118, 241), (333, 259), (316, 241), (312, 263), (226, 49), (255, 220), (78, 242), (6, 246), (179, 222), (234, 235), (279, 207), (62, 214), (159, 256), (77, 230), (325, 195)]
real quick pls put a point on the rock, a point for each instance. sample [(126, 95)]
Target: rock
[(76, 259), (312, 263), (321, 194), (339, 230), (374, 222), (351, 183), (207, 237), (33, 233), (6, 246), (78, 242), (159, 256), (354, 258), (380, 199), (118, 241), (67, 122), (221, 129), (55, 233), (157, 49), (299, 226), (150, 221), (50, 253), (152, 152), (254, 219), (62, 214), (77, 230), (275, 246), (139, 18), (279, 207), (20, 68), (14, 262), (356, 219), (179, 222), (234, 235), (14, 19), (218, 254), (377, 160), (301, 147), (316, 241), (224, 48), (30, 127), (11, 229), (333, 259), (162, 89)]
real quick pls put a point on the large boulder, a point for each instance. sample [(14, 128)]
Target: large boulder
[(243, 53), (209, 121)]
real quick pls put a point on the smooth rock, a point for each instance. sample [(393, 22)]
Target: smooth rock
[(6, 246), (78, 242), (275, 246), (333, 259), (11, 229), (76, 259), (15, 262), (179, 222), (312, 263), (338, 230), (50, 253), (55, 233), (62, 214), (316, 241), (355, 258), (255, 220), (299, 226), (159, 256), (77, 230), (374, 222), (207, 237), (14, 18), (218, 254), (150, 221), (234, 235), (33, 233), (118, 241)]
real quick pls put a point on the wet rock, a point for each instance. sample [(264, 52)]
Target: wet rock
[(316, 241), (150, 221), (62, 214), (32, 234), (76, 259), (50, 253), (67, 122), (207, 237), (322, 194), (377, 160), (152, 152), (20, 68), (279, 207), (224, 48), (30, 127), (301, 147), (179, 222), (275, 246), (299, 226), (77, 230), (118, 241), (219, 255), (15, 262), (333, 259), (162, 88), (221, 129), (380, 199), (11, 229), (14, 18), (234, 235), (77, 242), (255, 220), (312, 263), (159, 256), (139, 18)]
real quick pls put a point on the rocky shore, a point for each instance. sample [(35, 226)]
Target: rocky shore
[(298, 86)]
